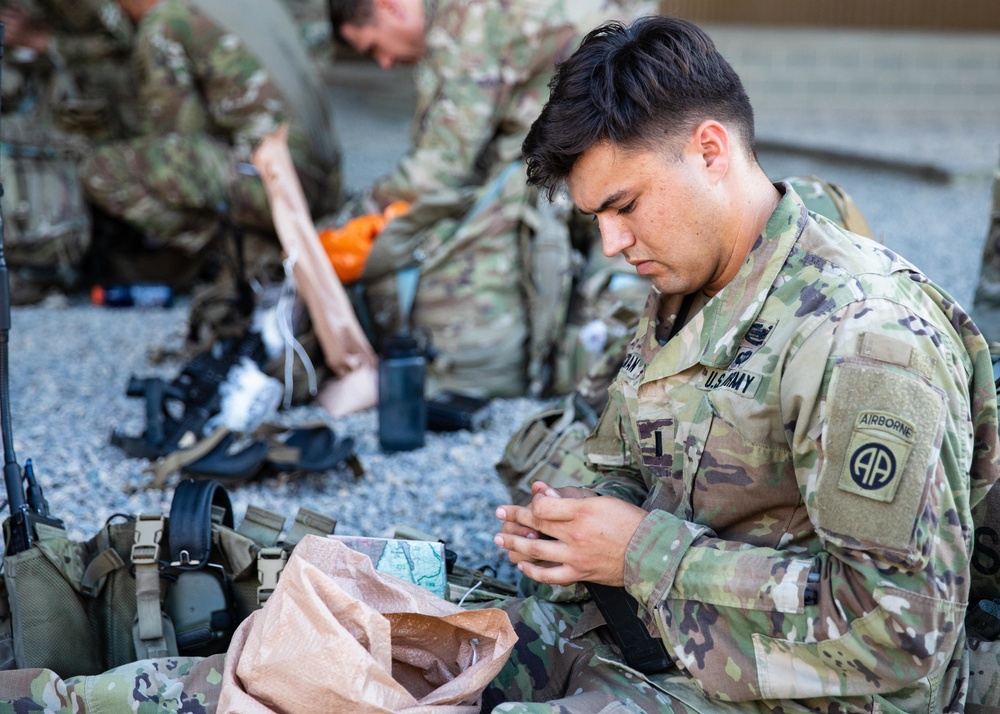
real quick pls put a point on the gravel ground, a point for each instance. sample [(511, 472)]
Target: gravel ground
[(69, 367)]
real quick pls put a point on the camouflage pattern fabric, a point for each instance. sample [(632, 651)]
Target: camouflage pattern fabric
[(85, 84), (154, 686), (809, 445), (313, 20), (984, 676), (560, 665), (482, 82), (208, 102), (55, 106), (987, 301)]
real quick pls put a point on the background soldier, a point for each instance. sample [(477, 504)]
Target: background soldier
[(67, 85), (482, 70), (213, 81), (86, 44)]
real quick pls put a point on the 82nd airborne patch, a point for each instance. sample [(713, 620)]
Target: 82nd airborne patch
[(876, 458)]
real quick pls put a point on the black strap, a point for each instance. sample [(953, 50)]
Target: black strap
[(191, 519)]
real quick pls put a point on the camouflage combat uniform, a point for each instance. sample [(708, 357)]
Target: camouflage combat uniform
[(808, 445), (170, 684), (208, 100), (482, 82)]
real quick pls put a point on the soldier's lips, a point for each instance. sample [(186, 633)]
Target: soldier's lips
[(643, 267)]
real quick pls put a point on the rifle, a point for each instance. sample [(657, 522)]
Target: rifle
[(641, 650), (26, 511), (196, 389)]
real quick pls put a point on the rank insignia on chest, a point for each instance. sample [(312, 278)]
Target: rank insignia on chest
[(753, 340), (876, 458), (758, 333)]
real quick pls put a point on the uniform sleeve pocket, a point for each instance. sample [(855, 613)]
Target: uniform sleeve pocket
[(873, 656)]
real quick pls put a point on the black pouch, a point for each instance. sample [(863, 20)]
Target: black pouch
[(451, 411)]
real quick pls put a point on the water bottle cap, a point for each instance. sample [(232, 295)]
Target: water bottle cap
[(401, 346)]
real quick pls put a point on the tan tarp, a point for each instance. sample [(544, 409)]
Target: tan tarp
[(346, 349)]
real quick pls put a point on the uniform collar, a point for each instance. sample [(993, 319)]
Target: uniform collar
[(714, 334)]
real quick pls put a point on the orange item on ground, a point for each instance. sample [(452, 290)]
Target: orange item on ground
[(348, 247)]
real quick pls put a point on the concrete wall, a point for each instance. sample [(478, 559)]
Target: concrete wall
[(801, 68), (975, 15)]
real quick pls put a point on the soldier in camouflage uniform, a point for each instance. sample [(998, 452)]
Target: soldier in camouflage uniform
[(66, 86), (482, 75), (792, 448), (214, 80)]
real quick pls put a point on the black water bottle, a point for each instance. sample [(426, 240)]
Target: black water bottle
[(402, 410)]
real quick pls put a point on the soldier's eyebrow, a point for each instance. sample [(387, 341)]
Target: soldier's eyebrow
[(608, 202)]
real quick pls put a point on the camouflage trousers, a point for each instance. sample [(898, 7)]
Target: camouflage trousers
[(155, 686), (172, 187), (553, 671)]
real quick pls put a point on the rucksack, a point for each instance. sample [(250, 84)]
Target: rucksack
[(143, 587), (47, 224)]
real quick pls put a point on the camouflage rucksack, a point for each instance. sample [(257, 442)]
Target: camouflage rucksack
[(46, 220), (143, 587)]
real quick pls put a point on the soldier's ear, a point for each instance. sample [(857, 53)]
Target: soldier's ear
[(712, 142), (392, 7)]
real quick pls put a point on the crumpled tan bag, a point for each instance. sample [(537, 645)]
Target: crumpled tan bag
[(339, 636)]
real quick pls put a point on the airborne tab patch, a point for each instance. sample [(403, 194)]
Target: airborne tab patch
[(876, 458)]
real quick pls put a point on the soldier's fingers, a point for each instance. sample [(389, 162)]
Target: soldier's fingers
[(514, 557), (517, 514), (546, 508), (519, 530), (532, 548), (540, 488), (558, 574), (576, 492)]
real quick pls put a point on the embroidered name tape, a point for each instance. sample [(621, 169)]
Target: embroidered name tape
[(743, 383)]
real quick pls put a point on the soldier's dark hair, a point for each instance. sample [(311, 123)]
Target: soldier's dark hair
[(642, 86), (349, 12)]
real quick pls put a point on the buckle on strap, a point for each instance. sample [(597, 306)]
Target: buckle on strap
[(270, 563), (146, 545)]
